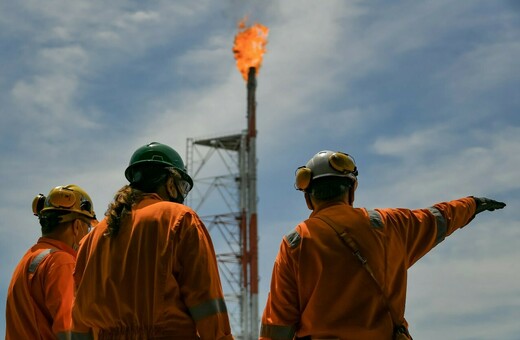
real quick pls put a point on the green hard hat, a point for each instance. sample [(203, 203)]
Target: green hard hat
[(156, 155)]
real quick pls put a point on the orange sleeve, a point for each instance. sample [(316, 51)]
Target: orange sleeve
[(59, 291), (81, 259), (282, 310), (199, 281), (421, 230)]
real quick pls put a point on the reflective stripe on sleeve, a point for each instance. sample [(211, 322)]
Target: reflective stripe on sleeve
[(375, 219), (276, 332), (442, 226), (63, 336), (81, 336), (293, 238), (36, 261), (208, 308)]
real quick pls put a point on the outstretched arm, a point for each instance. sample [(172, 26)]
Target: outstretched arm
[(422, 229)]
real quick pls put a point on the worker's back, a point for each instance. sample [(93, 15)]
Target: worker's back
[(131, 287)]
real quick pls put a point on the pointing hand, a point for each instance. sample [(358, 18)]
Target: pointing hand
[(484, 203)]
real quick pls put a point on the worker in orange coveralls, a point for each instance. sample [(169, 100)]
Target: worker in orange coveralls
[(149, 270), (341, 274), (39, 299)]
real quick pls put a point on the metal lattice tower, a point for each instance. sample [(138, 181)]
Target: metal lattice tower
[(224, 195), (218, 167)]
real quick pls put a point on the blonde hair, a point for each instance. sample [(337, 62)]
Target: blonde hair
[(120, 207)]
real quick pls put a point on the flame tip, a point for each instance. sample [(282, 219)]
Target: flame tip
[(249, 47)]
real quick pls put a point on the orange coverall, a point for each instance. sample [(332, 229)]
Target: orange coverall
[(320, 289), (157, 278), (39, 299)]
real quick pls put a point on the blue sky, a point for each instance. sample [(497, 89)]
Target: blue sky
[(423, 94)]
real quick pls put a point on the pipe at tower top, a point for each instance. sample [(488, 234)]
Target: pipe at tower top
[(251, 102), (252, 199)]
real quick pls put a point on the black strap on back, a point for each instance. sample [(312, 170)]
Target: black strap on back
[(351, 244)]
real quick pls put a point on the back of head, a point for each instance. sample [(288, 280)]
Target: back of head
[(327, 175), (148, 171), (63, 204), (151, 164)]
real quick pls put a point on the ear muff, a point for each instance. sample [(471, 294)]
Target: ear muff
[(343, 163), (85, 205), (303, 178), (38, 204)]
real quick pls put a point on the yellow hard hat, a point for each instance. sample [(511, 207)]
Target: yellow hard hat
[(69, 198)]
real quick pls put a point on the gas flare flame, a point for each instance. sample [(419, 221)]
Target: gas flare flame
[(249, 47)]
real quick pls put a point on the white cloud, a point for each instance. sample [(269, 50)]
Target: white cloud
[(70, 60), (468, 277), (136, 18), (50, 94), (417, 143), (436, 164), (483, 68)]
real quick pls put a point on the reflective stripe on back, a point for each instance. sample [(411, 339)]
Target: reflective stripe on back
[(38, 259), (442, 226), (208, 308), (375, 219), (277, 332)]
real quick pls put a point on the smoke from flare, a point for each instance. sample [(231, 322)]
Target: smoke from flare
[(249, 47)]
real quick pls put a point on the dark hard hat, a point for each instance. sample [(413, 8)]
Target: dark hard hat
[(156, 155)]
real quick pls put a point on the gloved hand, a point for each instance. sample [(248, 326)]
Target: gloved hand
[(484, 203)]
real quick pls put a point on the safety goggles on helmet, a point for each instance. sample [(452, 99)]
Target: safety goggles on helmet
[(64, 199)]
